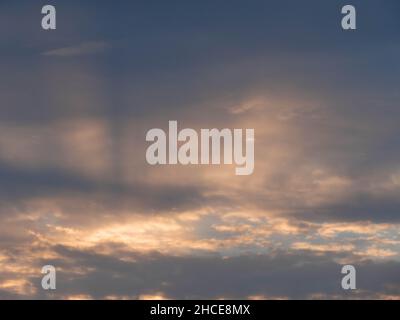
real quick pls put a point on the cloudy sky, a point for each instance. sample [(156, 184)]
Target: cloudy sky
[(76, 191)]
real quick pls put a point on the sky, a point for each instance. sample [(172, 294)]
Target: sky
[(76, 191)]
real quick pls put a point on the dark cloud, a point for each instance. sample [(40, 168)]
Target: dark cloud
[(357, 207), (295, 276), (6, 295), (163, 54), (20, 184)]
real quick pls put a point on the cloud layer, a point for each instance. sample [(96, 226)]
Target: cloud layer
[(77, 192)]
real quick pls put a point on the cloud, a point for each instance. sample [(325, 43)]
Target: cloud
[(356, 207), (86, 48), (76, 190), (290, 275), (20, 186)]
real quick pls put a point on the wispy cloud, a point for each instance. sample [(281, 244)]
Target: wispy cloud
[(86, 48)]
